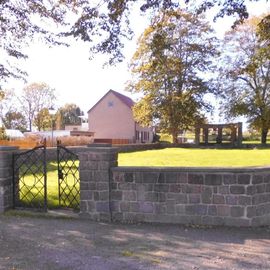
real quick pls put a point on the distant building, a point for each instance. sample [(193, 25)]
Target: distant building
[(111, 118)]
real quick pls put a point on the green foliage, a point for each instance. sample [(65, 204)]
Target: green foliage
[(246, 69), (69, 115), (104, 24), (35, 98), (3, 134), (15, 120), (172, 52), (43, 120)]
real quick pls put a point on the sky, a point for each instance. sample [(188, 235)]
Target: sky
[(79, 80)]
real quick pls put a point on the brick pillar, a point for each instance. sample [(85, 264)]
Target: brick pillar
[(6, 177), (95, 165)]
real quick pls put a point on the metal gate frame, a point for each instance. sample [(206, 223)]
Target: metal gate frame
[(68, 171), (30, 178), (31, 162)]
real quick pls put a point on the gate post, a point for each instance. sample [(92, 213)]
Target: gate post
[(95, 165), (6, 177)]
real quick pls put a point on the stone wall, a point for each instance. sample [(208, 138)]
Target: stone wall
[(207, 196), (232, 197), (6, 177)]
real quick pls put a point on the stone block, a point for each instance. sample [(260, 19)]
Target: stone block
[(170, 207), (266, 178), (86, 195), (177, 197), (257, 179), (101, 176), (124, 206), (83, 206), (218, 221), (237, 211), (101, 186), (161, 187), (134, 207), (218, 199), (213, 179), (224, 189), (115, 206), (244, 200), (229, 179), (116, 195), (243, 179), (183, 178), (117, 217), (237, 222), (237, 189), (102, 207), (251, 190), (207, 195), (267, 188), (129, 196), (171, 177), (251, 211), (212, 210), (193, 189), (118, 177), (260, 188), (150, 177), (180, 209), (103, 195), (176, 188), (159, 208), (146, 207), (151, 196), (161, 197), (161, 178), (195, 179), (194, 198), (96, 195), (223, 210), (197, 209), (129, 177)]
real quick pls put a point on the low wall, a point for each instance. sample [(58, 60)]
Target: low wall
[(202, 196), (206, 196)]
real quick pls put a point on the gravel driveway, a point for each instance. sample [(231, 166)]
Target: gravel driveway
[(45, 242)]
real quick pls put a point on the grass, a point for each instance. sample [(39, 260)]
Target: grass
[(197, 157), (52, 188)]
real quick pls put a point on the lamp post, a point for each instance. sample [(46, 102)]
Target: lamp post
[(52, 112)]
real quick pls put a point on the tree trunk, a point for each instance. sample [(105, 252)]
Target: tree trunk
[(264, 135), (174, 137)]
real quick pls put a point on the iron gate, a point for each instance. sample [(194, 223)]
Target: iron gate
[(68, 177), (30, 178), (30, 183)]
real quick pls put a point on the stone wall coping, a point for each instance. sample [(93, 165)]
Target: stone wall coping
[(8, 148), (193, 169), (101, 149)]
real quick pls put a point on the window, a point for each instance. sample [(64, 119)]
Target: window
[(110, 104)]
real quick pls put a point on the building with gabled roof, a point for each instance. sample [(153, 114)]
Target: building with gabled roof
[(111, 118)]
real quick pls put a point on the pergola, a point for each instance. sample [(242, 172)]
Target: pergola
[(235, 138)]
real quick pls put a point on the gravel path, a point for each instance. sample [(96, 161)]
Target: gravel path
[(28, 242)]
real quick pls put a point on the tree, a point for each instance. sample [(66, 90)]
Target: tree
[(104, 24), (246, 73), (35, 97), (43, 120), (167, 68), (15, 120), (69, 115)]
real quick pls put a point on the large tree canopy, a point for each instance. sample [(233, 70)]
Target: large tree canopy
[(104, 23), (246, 69), (173, 53)]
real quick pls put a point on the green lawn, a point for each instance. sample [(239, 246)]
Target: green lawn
[(52, 187), (197, 157)]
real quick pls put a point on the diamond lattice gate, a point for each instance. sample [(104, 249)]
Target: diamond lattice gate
[(30, 179), (31, 184), (68, 177)]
